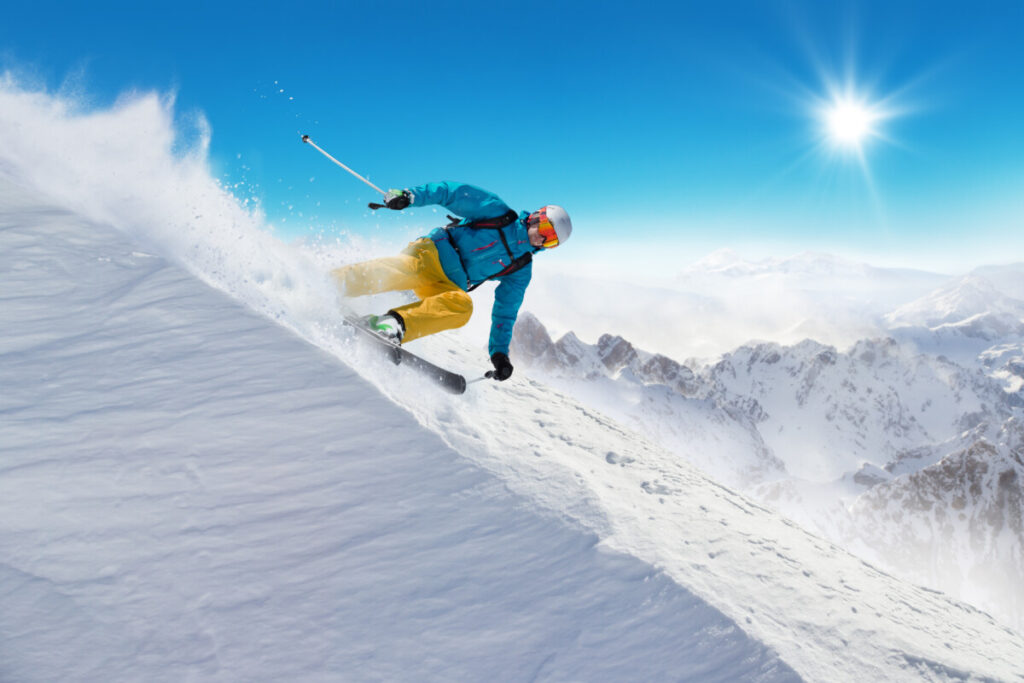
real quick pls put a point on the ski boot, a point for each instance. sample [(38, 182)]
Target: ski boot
[(387, 326)]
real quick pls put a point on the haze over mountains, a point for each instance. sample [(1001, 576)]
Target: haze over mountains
[(723, 301)]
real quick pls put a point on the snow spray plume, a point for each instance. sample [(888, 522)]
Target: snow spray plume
[(89, 162)]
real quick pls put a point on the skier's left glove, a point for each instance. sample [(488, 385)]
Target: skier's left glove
[(502, 367), (397, 199)]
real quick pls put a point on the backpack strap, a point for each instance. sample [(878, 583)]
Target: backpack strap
[(516, 264), (499, 223), (507, 218)]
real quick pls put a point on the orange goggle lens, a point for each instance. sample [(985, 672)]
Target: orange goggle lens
[(547, 231)]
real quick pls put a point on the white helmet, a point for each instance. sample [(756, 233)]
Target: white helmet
[(554, 219)]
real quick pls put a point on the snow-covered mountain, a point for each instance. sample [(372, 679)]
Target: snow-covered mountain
[(827, 413), (657, 395), (823, 435), (979, 317), (203, 479), (973, 296), (866, 405)]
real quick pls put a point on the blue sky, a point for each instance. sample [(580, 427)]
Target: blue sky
[(667, 129)]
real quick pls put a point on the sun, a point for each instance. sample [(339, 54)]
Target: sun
[(850, 123)]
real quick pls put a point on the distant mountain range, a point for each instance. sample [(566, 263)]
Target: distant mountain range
[(722, 302), (906, 446)]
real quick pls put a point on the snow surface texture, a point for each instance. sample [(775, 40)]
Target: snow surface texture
[(191, 490)]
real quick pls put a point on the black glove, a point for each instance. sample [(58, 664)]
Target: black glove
[(397, 199), (502, 367)]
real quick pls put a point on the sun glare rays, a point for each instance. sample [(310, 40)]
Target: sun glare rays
[(849, 122)]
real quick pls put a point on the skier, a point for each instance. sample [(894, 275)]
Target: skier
[(489, 242)]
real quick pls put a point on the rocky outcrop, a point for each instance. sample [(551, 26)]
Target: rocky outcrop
[(957, 524), (608, 358)]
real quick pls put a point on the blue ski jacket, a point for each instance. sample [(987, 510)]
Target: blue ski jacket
[(470, 256)]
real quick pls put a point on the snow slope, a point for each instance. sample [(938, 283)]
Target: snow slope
[(191, 489), (188, 491)]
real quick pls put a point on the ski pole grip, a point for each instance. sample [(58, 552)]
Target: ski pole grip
[(489, 374)]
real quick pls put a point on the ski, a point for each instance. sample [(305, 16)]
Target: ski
[(451, 382)]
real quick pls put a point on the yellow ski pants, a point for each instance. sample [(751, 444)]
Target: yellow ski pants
[(442, 306)]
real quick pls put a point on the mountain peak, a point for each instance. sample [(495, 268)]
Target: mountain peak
[(956, 302), (718, 259), (615, 352)]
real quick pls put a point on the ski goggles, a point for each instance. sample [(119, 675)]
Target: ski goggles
[(546, 229)]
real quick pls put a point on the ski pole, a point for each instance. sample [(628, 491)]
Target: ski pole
[(487, 375), (305, 138)]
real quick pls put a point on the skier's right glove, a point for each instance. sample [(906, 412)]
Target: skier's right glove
[(397, 199), (502, 367)]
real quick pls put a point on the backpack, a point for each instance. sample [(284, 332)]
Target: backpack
[(498, 224)]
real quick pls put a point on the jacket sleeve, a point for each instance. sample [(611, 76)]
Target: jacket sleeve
[(508, 297), (467, 201)]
